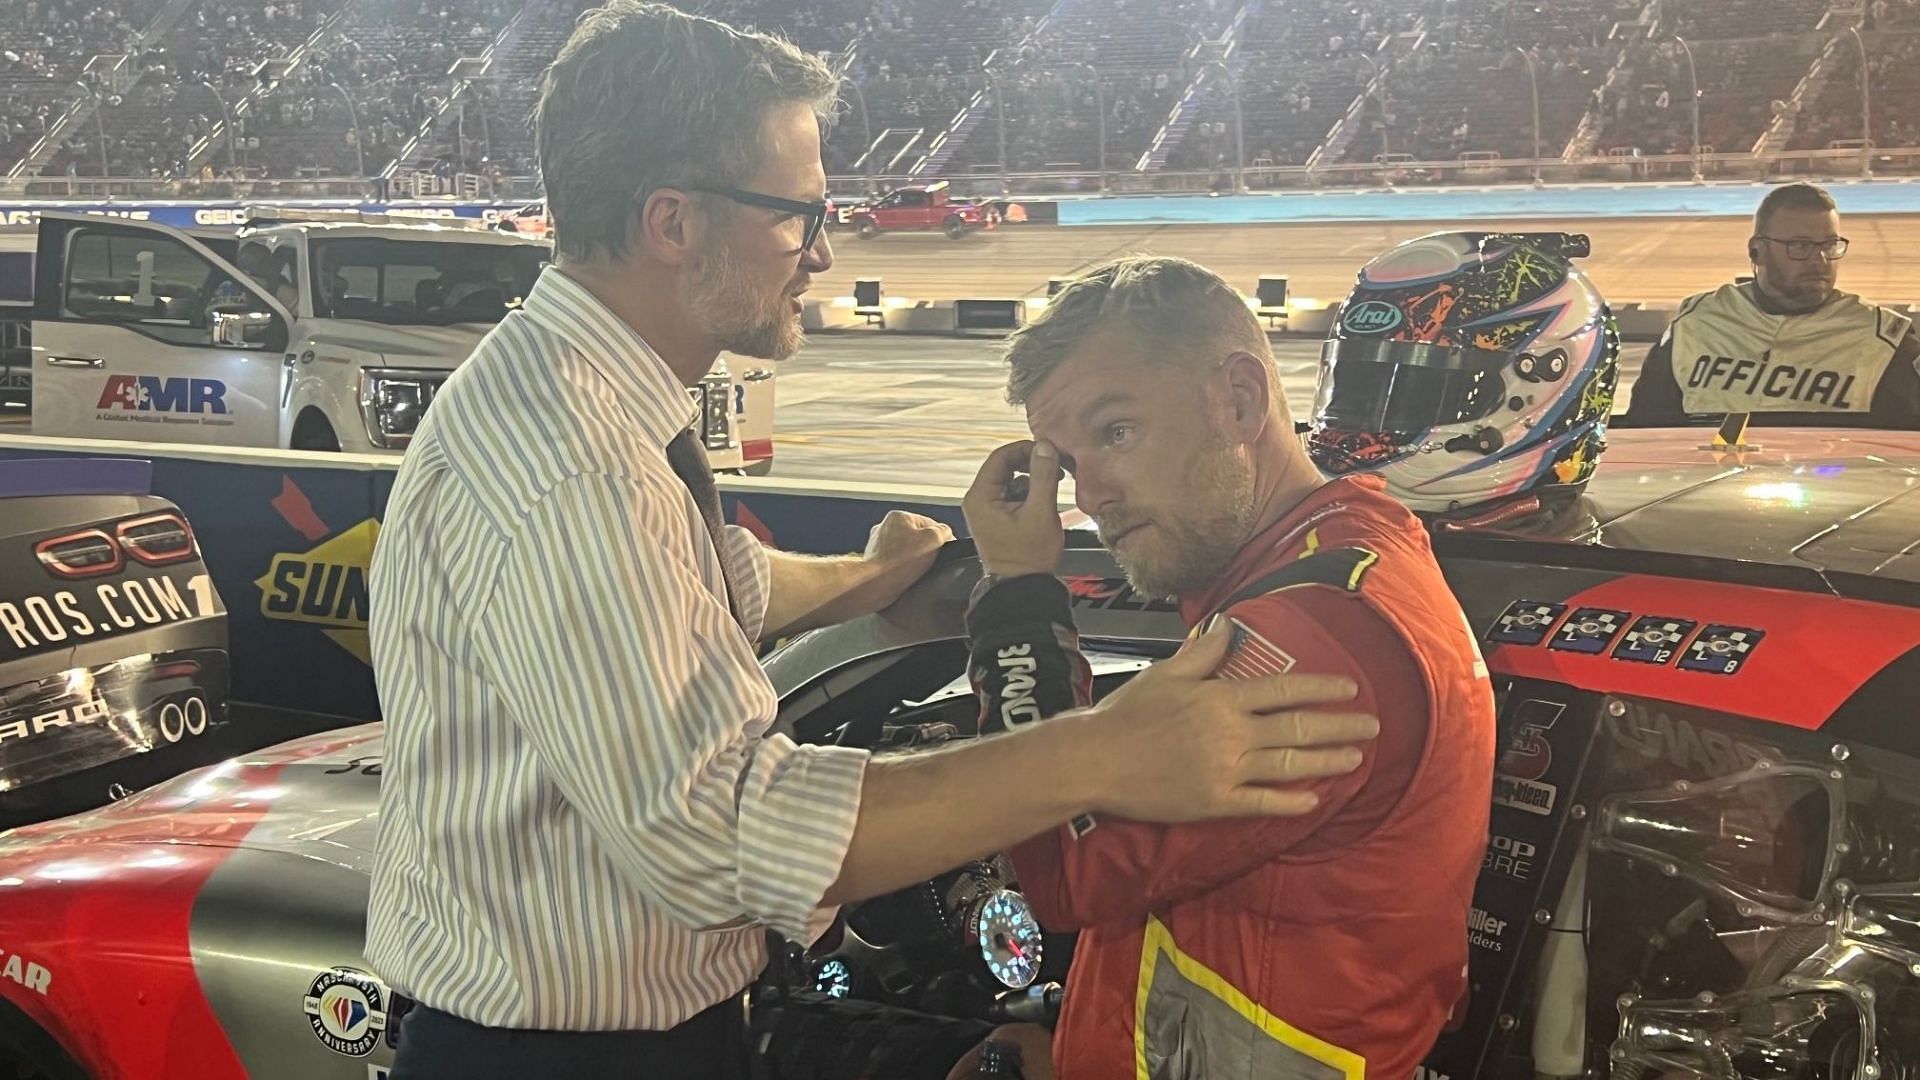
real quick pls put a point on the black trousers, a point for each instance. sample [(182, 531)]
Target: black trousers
[(434, 1045)]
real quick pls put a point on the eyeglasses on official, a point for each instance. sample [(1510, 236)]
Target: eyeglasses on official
[(814, 213), (1801, 250)]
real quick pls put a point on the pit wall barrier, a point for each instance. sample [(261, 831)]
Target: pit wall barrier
[(1361, 202), (1301, 317), (288, 538)]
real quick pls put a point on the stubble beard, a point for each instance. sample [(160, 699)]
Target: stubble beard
[(1184, 556), (737, 316)]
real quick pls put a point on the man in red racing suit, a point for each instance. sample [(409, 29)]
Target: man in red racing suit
[(1331, 944)]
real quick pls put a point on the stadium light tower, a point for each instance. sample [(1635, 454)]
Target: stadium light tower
[(1000, 118), (359, 140), (1866, 106), (866, 126), (1693, 82), (1100, 103), (226, 120), (1533, 78), (1239, 126), (99, 125)]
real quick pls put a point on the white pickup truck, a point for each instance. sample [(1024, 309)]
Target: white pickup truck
[(294, 332)]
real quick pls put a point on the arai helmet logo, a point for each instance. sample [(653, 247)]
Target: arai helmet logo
[(1371, 317)]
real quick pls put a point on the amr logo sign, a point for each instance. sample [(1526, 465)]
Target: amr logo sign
[(151, 393)]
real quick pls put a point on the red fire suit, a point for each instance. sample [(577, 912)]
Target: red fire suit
[(1329, 945)]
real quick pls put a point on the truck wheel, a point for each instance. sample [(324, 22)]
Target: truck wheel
[(868, 230), (954, 227), (759, 468), (312, 432)]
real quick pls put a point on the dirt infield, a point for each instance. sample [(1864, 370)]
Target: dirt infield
[(1652, 259)]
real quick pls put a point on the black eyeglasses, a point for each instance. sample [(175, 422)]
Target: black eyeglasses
[(1801, 250), (814, 213)]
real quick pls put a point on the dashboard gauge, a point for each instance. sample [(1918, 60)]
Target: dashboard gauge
[(833, 978), (1009, 938)]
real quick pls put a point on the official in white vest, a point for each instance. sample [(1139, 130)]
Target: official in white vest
[(1788, 346)]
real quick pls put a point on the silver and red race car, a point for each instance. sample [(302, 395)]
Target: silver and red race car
[(113, 640), (1703, 861)]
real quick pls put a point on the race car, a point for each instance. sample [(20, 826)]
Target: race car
[(919, 208), (113, 640), (1703, 859)]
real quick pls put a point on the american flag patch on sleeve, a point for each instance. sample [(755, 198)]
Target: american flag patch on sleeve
[(1252, 656)]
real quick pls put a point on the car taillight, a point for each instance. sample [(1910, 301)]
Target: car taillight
[(80, 554), (175, 669), (158, 539)]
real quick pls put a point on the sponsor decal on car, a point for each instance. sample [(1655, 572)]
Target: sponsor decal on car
[(1510, 857), (1486, 932), (1655, 735), (156, 399), (1525, 622), (92, 710), (1721, 650), (110, 607), (17, 968), (343, 1006), (1589, 630), (1653, 639), (1531, 796)]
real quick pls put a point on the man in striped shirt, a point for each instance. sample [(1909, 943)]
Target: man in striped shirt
[(585, 827)]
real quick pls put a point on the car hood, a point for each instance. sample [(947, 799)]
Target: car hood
[(412, 346), (316, 797), (1840, 502)]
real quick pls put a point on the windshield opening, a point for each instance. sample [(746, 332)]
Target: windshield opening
[(421, 282)]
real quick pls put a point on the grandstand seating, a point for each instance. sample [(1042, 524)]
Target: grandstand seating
[(1455, 83), (1739, 80), (391, 60), (1138, 51), (1444, 103), (219, 42), (1893, 59)]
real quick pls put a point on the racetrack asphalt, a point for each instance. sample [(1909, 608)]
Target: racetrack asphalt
[(900, 409)]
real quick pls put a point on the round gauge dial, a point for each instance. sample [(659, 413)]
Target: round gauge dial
[(1009, 936), (833, 978)]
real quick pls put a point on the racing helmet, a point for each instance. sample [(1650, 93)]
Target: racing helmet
[(1468, 367)]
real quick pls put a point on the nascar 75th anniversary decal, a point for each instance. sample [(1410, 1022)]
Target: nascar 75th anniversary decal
[(69, 617), (344, 1006)]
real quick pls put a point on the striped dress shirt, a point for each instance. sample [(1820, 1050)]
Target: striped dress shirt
[(584, 824)]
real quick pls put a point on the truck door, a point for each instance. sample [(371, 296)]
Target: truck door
[(143, 332)]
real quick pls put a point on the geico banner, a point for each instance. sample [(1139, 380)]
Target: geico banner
[(234, 214), (289, 538)]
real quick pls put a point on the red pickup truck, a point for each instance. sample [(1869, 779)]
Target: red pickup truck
[(921, 207)]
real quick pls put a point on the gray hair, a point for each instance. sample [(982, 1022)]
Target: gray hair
[(643, 97), (1167, 305)]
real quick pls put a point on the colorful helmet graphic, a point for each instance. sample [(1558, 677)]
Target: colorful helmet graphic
[(1469, 367)]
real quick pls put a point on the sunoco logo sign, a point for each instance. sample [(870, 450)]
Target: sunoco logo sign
[(325, 585), (1371, 317)]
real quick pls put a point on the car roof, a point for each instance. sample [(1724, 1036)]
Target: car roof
[(1843, 502)]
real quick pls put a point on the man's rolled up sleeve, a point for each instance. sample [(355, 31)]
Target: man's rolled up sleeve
[(751, 576), (643, 700)]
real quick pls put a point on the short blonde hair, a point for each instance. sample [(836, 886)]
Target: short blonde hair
[(1170, 305)]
